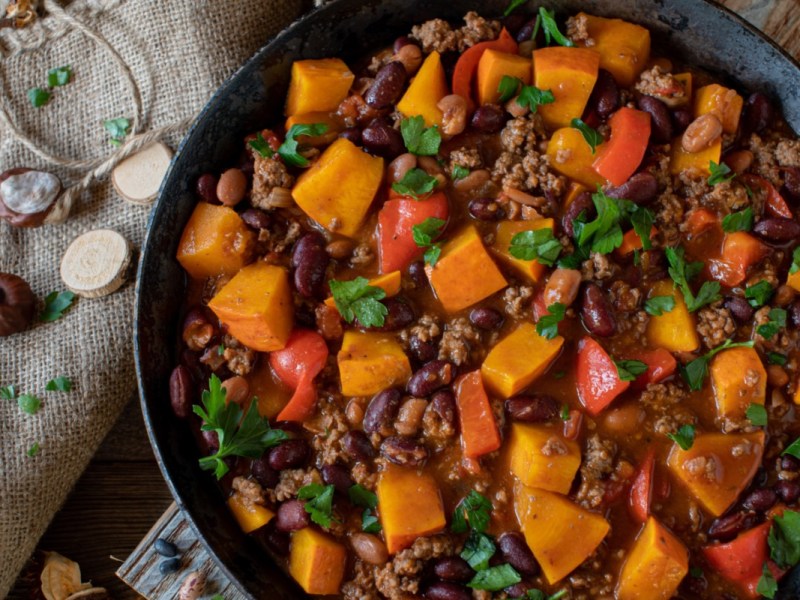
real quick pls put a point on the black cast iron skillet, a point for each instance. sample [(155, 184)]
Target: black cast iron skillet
[(699, 31)]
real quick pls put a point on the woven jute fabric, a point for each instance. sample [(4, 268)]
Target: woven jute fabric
[(179, 52)]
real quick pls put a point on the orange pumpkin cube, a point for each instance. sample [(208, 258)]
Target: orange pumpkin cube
[(249, 516), (541, 457), (572, 156), (725, 103), (739, 380), (317, 562), (370, 362), (531, 270), (570, 73), (624, 48), (493, 66), (317, 85), (426, 89), (680, 160)]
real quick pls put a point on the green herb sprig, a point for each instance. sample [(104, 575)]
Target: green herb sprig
[(425, 235), (420, 140), (695, 372), (547, 325), (356, 299)]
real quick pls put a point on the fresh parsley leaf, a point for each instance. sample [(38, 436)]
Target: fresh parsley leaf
[(629, 370), (592, 136), (357, 299), (425, 235), (8, 392), (59, 76), (696, 371), (415, 183), (793, 449), (59, 384), (658, 305), (684, 437), (533, 97), (319, 503), (221, 350), (550, 28), (495, 578), (604, 233), (418, 139), (777, 321), (757, 414), (459, 172), (776, 358), (38, 97), (719, 174), (536, 244), (361, 496), (784, 539), (642, 220), (289, 150), (34, 450), (370, 522), (564, 414), (508, 87), (118, 129), (767, 586), (217, 597), (682, 273), (245, 434), (559, 374), (473, 508), (28, 403), (795, 266), (478, 549), (738, 221), (512, 6), (759, 294), (547, 326), (261, 146)]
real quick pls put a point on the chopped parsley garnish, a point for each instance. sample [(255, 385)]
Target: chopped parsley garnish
[(59, 76), (696, 572), (658, 305), (246, 434), (759, 294), (289, 150), (757, 414), (684, 437), (425, 235), (361, 496), (512, 6), (547, 325), (117, 129), (696, 371), (564, 414), (357, 299), (474, 510), (508, 86), (38, 97), (478, 549), (415, 183), (777, 321), (28, 403), (719, 173), (533, 97), (738, 221), (550, 28), (420, 140), (793, 449), (261, 146), (319, 502), (495, 578), (767, 586), (784, 539), (59, 384), (221, 350), (459, 172), (559, 374), (8, 392), (370, 522), (55, 304), (33, 450), (592, 136), (629, 370), (776, 358), (537, 244), (682, 273), (795, 266)]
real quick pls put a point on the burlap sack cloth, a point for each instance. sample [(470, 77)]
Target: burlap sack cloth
[(179, 52)]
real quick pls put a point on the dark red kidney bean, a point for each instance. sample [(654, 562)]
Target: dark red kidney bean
[(605, 95), (264, 474), (525, 32), (681, 119), (403, 40), (728, 527), (310, 261), (641, 188), (760, 500), (207, 188), (422, 351), (445, 590), (290, 454), (338, 476), (488, 118), (357, 444), (181, 389), (789, 463), (431, 377), (739, 308), (399, 315), (453, 568), (276, 540), (211, 441), (517, 553), (381, 411), (416, 271), (380, 138), (352, 134), (788, 491), (486, 318), (581, 204), (757, 114), (403, 451), (519, 590), (532, 408), (791, 183), (777, 230), (443, 405), (486, 209), (255, 218), (596, 312), (661, 129), (794, 313), (387, 86), (291, 516)]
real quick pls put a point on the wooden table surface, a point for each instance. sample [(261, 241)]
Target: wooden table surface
[(122, 493)]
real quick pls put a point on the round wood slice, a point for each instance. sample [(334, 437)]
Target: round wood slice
[(138, 177), (96, 263)]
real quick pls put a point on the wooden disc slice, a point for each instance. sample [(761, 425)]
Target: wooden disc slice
[(96, 263), (138, 177)]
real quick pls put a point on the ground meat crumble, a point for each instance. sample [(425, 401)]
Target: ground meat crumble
[(459, 340), (438, 34), (402, 574)]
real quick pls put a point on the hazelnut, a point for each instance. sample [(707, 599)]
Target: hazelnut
[(29, 198), (17, 304)]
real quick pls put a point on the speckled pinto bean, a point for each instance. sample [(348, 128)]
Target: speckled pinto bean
[(232, 187)]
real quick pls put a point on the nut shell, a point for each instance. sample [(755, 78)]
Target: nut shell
[(27, 196), (17, 304)]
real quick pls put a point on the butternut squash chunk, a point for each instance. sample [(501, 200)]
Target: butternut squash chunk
[(465, 273), (410, 506), (685, 79), (721, 101), (675, 330), (256, 306), (718, 467), (317, 562), (389, 283), (624, 48), (570, 73), (575, 189), (571, 156), (518, 359), (337, 190), (215, 242), (739, 379), (793, 281), (334, 127), (531, 270), (317, 85), (541, 457), (656, 565), (426, 89), (680, 160), (371, 362), (560, 534), (491, 69), (249, 516)]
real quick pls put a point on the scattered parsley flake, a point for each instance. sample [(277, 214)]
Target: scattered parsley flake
[(28, 403), (459, 172), (361, 496), (55, 304), (784, 539), (550, 28), (118, 129), (425, 235), (658, 305), (289, 150), (261, 146), (420, 140), (696, 572), (738, 221), (683, 272), (757, 414), (370, 522), (495, 578), (559, 374), (59, 76), (793, 449), (220, 349), (533, 97), (415, 183), (564, 412), (629, 370), (478, 549), (319, 503), (547, 325), (38, 97), (536, 244), (758, 294), (695, 372), (795, 266), (8, 392), (512, 6), (59, 384), (776, 358), (474, 509), (777, 321), (767, 586), (507, 88), (684, 437), (33, 450), (592, 136), (357, 299), (719, 173)]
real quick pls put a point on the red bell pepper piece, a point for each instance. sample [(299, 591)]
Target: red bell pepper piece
[(395, 221), (479, 433), (775, 204), (619, 158), (642, 488), (466, 68), (296, 365), (597, 377), (740, 251), (660, 365), (700, 220)]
